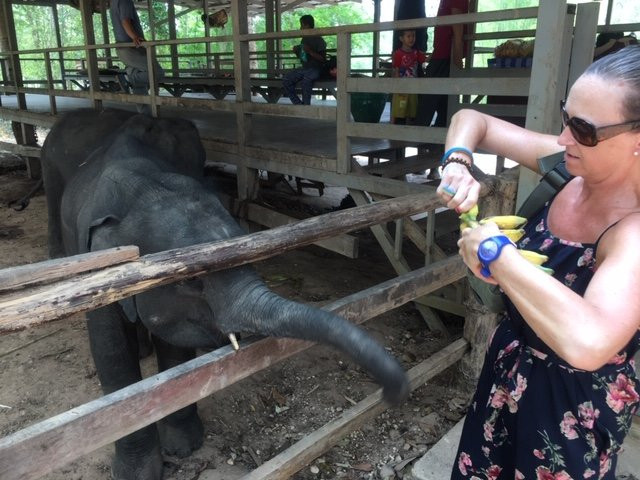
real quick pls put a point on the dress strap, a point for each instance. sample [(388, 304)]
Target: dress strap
[(611, 226)]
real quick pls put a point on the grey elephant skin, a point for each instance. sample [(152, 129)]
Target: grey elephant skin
[(114, 178)]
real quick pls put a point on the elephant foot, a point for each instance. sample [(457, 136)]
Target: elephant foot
[(181, 437), (136, 467)]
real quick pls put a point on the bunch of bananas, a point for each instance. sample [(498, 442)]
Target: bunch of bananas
[(511, 227)]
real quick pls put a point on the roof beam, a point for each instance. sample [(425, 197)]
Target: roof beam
[(292, 5)]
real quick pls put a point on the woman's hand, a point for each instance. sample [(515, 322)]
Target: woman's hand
[(458, 188), (470, 239)]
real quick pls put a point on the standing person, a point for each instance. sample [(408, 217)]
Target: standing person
[(405, 62), (558, 389), (127, 29), (311, 52), (448, 49)]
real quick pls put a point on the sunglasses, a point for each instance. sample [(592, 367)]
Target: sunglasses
[(587, 134)]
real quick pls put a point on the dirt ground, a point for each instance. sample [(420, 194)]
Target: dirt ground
[(47, 370)]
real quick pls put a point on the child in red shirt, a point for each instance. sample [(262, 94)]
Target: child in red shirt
[(405, 62)]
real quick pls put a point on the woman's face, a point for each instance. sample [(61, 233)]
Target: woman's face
[(600, 103)]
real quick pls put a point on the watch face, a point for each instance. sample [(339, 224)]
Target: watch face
[(488, 250)]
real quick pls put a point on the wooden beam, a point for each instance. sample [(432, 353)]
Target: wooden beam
[(549, 79), (583, 45), (89, 291), (171, 19), (303, 452), (292, 5), (343, 117), (34, 451), (496, 85), (86, 11), (26, 150), (61, 268), (343, 244)]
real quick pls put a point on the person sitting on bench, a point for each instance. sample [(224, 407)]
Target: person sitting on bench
[(311, 52)]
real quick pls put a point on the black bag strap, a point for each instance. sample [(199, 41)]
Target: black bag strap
[(554, 178)]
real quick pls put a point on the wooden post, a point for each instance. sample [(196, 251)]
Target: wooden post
[(584, 36), (26, 135), (171, 12), (207, 32), (270, 25), (376, 39), (278, 28), (343, 100), (480, 322), (247, 177), (548, 79), (86, 11), (56, 26), (153, 81), (152, 22), (52, 98), (104, 5)]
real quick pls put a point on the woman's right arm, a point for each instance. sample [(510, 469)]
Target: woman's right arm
[(474, 131)]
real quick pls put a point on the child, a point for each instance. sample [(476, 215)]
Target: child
[(405, 63)]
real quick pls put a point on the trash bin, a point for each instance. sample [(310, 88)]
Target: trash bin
[(368, 107)]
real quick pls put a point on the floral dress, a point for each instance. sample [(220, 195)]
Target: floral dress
[(534, 417)]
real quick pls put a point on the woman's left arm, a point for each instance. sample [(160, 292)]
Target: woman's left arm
[(586, 331)]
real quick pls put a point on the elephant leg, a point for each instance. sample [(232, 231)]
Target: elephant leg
[(114, 346), (181, 432)]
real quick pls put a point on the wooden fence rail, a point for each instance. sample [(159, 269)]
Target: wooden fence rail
[(37, 305)]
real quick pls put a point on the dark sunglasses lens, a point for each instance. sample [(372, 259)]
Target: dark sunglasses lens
[(583, 131)]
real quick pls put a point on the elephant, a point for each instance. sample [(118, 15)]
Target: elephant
[(116, 178)]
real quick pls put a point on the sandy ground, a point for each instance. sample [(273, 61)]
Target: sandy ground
[(47, 370)]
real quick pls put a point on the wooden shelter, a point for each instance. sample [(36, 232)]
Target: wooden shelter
[(253, 133)]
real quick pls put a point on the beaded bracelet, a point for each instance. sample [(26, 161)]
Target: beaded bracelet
[(459, 160), (454, 150)]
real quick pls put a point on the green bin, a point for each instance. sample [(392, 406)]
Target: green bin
[(368, 107)]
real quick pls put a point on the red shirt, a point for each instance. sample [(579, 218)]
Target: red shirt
[(443, 35), (407, 62)]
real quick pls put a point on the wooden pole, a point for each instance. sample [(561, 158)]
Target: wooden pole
[(548, 79), (270, 27), (247, 177), (56, 26), (19, 310), (171, 12), (86, 10), (343, 100)]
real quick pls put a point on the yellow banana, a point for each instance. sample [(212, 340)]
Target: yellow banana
[(513, 234), (469, 219), (548, 271), (533, 257), (505, 221)]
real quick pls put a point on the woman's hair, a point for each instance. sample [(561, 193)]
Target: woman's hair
[(623, 65)]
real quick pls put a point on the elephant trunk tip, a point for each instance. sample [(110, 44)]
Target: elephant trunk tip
[(397, 390)]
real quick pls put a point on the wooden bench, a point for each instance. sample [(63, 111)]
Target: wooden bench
[(108, 79), (219, 87)]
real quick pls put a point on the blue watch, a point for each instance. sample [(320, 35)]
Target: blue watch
[(489, 250)]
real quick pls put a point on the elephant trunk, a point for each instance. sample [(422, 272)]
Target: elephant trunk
[(253, 308)]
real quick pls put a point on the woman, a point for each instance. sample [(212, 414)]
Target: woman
[(558, 390)]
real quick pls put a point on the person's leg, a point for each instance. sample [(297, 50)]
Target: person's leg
[(135, 60), (289, 82), (430, 104), (310, 75)]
